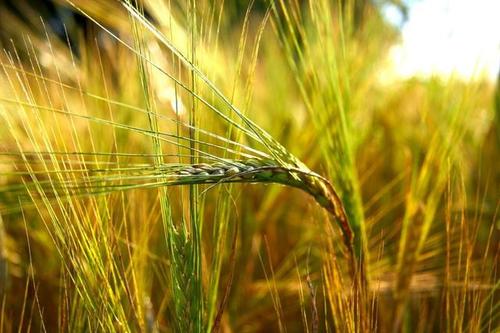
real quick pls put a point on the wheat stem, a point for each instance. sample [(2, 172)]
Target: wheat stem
[(222, 171)]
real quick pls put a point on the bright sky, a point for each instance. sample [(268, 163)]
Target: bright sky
[(460, 37)]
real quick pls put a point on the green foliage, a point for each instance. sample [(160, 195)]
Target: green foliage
[(147, 162)]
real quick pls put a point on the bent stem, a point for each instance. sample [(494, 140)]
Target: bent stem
[(223, 171), (263, 171)]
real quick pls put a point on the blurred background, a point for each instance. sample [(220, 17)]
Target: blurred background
[(396, 102), (441, 37)]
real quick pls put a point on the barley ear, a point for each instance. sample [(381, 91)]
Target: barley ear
[(269, 171)]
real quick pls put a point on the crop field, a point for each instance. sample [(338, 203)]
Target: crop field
[(239, 166)]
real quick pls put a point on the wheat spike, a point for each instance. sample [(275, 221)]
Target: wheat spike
[(223, 171)]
